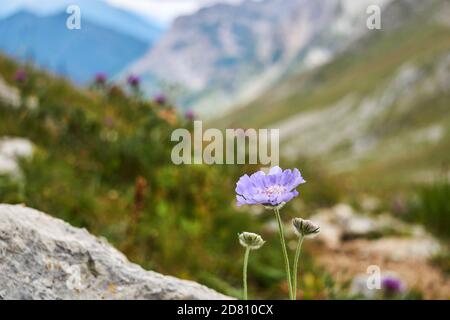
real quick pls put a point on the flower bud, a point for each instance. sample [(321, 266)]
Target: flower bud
[(305, 228), (251, 240)]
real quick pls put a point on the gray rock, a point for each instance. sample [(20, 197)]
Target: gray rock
[(387, 236), (45, 258), (373, 286), (11, 151), (9, 95)]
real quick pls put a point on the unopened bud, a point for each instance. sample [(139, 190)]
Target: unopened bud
[(305, 228), (251, 240)]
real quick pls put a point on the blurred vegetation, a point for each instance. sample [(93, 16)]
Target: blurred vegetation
[(102, 161), (432, 207)]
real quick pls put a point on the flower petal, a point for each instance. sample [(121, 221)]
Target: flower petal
[(240, 201), (243, 184), (276, 187), (275, 170)]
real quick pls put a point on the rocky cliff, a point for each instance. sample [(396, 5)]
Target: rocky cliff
[(226, 54), (45, 258)]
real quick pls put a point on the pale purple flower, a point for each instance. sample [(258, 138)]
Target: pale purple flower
[(109, 122), (189, 115), (133, 81), (272, 189), (21, 76), (100, 78), (160, 99)]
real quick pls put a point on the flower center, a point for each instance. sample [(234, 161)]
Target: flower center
[(276, 189)]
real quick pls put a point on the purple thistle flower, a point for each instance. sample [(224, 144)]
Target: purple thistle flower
[(273, 189), (392, 285), (160, 99), (133, 81), (20, 76), (100, 78), (189, 115)]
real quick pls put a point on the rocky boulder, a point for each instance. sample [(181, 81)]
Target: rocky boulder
[(45, 258), (11, 151), (381, 234)]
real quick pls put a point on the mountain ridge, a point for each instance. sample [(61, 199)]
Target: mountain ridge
[(47, 41), (379, 107), (235, 52), (93, 11)]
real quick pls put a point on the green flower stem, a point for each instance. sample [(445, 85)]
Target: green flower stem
[(283, 247), (294, 275), (244, 272)]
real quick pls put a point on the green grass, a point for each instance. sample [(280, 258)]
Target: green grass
[(433, 208)]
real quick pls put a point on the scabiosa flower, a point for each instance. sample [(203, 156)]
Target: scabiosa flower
[(251, 240), (20, 76), (272, 190), (133, 81), (305, 228)]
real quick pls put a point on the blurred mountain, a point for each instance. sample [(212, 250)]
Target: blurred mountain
[(93, 11), (78, 54), (380, 108), (108, 41), (226, 54)]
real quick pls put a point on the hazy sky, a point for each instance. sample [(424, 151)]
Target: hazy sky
[(162, 10), (165, 10)]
